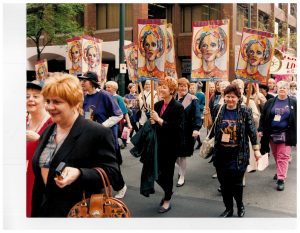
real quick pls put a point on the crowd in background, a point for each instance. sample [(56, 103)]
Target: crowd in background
[(68, 117)]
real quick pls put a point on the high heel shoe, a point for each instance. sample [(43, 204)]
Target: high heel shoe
[(227, 213)]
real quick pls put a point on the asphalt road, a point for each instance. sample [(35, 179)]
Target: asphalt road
[(199, 197)]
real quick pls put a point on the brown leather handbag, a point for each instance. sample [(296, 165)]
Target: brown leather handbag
[(100, 205)]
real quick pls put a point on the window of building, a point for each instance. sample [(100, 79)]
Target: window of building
[(293, 9), (108, 16), (280, 6), (242, 19), (160, 11), (263, 21), (198, 12), (280, 34)]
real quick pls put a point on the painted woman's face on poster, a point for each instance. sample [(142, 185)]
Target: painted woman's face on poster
[(210, 50), (130, 52), (151, 48), (41, 70), (92, 56), (75, 56), (255, 55)]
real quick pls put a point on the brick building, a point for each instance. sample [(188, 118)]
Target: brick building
[(104, 20)]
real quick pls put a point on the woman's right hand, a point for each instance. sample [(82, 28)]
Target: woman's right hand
[(260, 134), (206, 111)]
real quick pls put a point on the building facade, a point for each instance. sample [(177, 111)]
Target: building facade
[(103, 20)]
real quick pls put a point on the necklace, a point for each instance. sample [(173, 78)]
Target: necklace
[(39, 125)]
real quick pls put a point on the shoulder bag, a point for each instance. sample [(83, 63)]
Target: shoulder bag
[(207, 146), (100, 205)]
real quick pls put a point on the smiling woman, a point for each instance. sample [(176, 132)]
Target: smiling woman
[(81, 144)]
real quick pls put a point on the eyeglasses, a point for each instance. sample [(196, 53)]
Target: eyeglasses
[(293, 86)]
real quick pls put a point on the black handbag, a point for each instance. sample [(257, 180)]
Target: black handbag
[(278, 138)]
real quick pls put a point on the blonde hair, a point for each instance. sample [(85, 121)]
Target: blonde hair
[(283, 83), (183, 81), (112, 84), (65, 86), (171, 83)]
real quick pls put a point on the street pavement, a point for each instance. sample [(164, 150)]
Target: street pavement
[(199, 197)]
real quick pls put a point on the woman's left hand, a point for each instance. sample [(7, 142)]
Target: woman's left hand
[(69, 174), (195, 133), (32, 136)]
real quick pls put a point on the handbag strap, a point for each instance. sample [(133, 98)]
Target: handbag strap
[(214, 122), (105, 181)]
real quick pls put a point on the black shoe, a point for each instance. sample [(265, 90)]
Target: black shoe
[(227, 213), (241, 211), (163, 210), (219, 190), (275, 177), (180, 185), (280, 185)]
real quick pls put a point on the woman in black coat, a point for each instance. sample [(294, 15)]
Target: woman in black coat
[(191, 125), (279, 118), (168, 118), (81, 144)]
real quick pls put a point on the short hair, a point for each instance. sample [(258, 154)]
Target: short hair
[(283, 83), (130, 85), (113, 84), (233, 88), (64, 86), (171, 83), (238, 82), (183, 81)]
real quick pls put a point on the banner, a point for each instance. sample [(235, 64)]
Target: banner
[(41, 69), (74, 55), (92, 54), (131, 54), (103, 78), (170, 65), (151, 48), (210, 50), (256, 51), (283, 63)]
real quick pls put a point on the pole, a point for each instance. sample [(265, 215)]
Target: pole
[(249, 91), (249, 16), (206, 103), (152, 95), (121, 79)]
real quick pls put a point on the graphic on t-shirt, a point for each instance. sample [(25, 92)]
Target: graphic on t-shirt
[(229, 127)]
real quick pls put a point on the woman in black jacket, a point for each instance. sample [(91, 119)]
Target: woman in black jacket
[(278, 127), (81, 144), (168, 118)]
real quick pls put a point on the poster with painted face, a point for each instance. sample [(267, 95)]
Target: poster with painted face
[(41, 69), (103, 77), (74, 55), (131, 54), (210, 50), (92, 55), (170, 65), (256, 51), (151, 48)]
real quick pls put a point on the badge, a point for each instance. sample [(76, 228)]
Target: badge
[(277, 118), (87, 115), (225, 137)]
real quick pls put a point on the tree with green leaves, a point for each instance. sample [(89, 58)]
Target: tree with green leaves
[(53, 23)]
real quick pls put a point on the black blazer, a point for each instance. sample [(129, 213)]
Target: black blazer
[(169, 134), (88, 145)]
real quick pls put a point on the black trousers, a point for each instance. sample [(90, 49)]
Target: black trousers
[(230, 178), (232, 186), (165, 178)]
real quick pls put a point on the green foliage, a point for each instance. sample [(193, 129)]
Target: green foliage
[(53, 23)]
